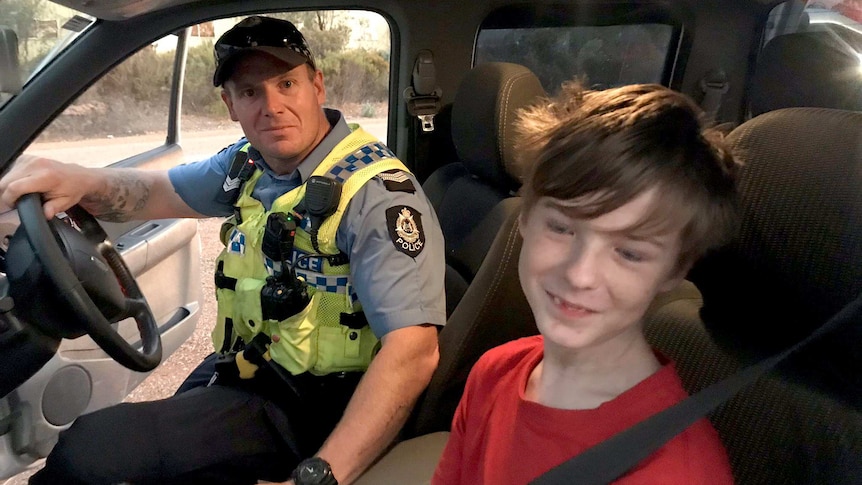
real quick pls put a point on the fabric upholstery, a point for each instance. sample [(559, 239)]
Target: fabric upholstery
[(775, 431), (410, 462), (798, 257), (465, 192), (807, 69), (487, 103)]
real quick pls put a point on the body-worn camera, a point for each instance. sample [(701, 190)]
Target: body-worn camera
[(283, 297), (278, 236)]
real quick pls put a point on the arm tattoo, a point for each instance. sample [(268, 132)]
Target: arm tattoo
[(125, 195)]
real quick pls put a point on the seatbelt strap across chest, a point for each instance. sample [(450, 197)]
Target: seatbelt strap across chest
[(609, 460)]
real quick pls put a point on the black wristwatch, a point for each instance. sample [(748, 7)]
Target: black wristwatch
[(313, 471)]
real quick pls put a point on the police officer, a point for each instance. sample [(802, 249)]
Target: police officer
[(330, 288)]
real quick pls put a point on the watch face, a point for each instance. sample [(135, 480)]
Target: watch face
[(314, 471)]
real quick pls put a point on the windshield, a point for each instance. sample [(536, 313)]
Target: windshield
[(32, 32)]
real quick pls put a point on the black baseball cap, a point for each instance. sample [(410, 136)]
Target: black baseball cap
[(276, 37)]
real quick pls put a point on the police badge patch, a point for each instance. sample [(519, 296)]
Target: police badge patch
[(405, 229)]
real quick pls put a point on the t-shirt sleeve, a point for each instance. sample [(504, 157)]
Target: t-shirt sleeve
[(199, 183), (396, 252)]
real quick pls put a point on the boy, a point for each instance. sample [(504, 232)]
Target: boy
[(626, 192)]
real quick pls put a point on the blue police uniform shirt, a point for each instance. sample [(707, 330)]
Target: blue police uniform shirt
[(396, 290)]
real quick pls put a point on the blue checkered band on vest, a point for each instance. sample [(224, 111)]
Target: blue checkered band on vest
[(329, 283), (366, 155)]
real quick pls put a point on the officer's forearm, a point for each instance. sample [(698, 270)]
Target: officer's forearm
[(382, 401), (128, 194)]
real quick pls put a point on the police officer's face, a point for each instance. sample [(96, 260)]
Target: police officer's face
[(280, 110), (590, 281)]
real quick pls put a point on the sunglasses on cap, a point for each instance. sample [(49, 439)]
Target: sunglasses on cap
[(274, 36)]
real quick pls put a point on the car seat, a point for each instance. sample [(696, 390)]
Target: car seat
[(796, 261), (493, 311), (807, 69), (798, 258), (466, 193)]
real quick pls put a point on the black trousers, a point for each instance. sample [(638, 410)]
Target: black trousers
[(217, 434)]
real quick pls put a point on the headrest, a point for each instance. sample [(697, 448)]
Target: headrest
[(482, 120), (807, 69), (798, 258)]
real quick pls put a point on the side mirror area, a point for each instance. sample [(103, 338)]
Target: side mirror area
[(10, 72)]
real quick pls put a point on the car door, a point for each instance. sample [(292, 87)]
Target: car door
[(99, 129)]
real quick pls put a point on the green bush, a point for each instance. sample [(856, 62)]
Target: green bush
[(133, 97), (144, 77), (368, 110), (200, 97), (355, 76)]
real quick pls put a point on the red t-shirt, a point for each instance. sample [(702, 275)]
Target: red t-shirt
[(499, 438)]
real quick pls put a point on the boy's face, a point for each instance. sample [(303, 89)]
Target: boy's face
[(589, 281)]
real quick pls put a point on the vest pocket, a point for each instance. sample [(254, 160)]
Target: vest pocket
[(344, 349), (293, 344)]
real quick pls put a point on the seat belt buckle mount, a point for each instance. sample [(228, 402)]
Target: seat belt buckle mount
[(423, 96), (423, 107)]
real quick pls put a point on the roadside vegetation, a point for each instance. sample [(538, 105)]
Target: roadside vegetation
[(133, 97)]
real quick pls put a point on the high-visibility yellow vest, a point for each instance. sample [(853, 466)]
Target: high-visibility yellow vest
[(315, 339)]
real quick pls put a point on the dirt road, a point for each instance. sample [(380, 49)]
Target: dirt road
[(196, 145)]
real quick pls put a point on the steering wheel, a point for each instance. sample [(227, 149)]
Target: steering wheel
[(89, 280)]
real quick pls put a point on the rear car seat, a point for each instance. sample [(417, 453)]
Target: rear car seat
[(466, 194)]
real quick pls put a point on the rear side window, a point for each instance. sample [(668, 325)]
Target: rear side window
[(603, 45), (600, 56)]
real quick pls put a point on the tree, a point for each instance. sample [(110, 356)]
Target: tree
[(20, 15), (326, 31)]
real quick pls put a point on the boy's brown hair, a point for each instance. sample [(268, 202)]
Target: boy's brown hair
[(607, 147)]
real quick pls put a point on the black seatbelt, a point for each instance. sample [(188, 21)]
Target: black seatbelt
[(423, 104), (614, 457), (714, 85)]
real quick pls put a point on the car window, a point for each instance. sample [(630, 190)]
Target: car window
[(843, 18), (125, 112), (601, 56), (41, 30)]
